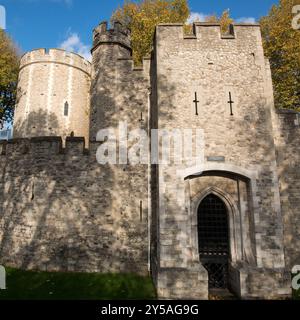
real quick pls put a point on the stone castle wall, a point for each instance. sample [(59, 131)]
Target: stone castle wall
[(62, 211), (212, 65), (120, 91), (288, 159), (47, 81), (120, 97)]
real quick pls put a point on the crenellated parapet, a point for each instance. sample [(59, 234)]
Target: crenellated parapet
[(118, 35), (57, 56), (235, 31), (130, 66), (207, 30), (39, 146)]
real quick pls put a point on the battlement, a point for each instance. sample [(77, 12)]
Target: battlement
[(43, 146), (57, 56), (207, 30), (143, 68), (118, 35)]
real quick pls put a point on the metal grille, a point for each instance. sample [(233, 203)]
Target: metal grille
[(214, 240)]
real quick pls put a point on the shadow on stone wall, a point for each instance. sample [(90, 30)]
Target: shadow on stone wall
[(38, 124), (288, 159), (61, 210), (256, 138)]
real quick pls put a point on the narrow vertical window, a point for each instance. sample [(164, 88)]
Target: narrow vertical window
[(141, 211), (66, 109), (196, 101), (231, 104)]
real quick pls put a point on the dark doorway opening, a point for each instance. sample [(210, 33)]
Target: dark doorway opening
[(213, 240)]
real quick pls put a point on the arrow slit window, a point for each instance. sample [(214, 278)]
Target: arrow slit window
[(66, 109)]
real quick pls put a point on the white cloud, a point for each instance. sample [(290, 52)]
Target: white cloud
[(197, 17), (74, 44), (246, 20)]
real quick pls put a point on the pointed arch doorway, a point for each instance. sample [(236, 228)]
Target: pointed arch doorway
[(213, 240)]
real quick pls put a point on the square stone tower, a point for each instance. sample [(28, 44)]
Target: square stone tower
[(217, 221)]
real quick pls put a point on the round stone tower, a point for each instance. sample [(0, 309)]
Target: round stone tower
[(110, 49), (53, 95)]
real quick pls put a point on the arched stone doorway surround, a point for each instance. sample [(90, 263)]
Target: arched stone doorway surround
[(242, 211)]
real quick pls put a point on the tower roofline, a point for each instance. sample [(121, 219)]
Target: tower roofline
[(45, 51), (117, 35), (57, 56)]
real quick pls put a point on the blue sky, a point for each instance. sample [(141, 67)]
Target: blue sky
[(69, 23)]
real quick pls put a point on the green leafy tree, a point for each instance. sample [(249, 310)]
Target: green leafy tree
[(282, 47), (141, 18), (9, 67)]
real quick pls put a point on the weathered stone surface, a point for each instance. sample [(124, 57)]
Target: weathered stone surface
[(47, 81), (61, 210), (247, 180), (288, 159)]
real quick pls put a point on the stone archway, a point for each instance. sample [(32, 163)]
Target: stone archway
[(243, 212), (214, 240), (233, 192), (234, 222), (178, 268)]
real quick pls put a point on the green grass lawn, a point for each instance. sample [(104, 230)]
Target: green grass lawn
[(32, 285)]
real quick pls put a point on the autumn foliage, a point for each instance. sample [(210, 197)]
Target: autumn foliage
[(9, 65), (142, 17), (225, 20), (282, 47)]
